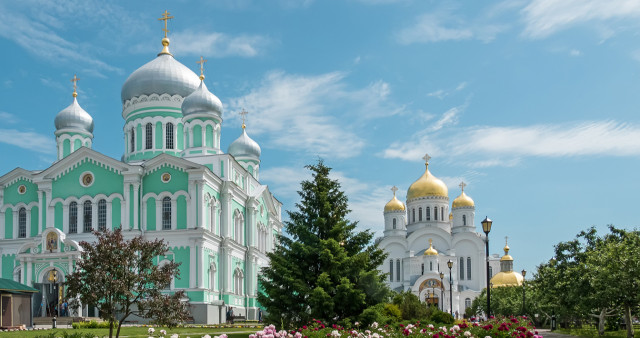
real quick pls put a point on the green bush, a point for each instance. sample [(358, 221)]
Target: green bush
[(410, 306), (392, 312), (65, 334), (92, 325), (441, 317)]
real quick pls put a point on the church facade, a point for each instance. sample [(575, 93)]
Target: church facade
[(174, 182), (425, 236)]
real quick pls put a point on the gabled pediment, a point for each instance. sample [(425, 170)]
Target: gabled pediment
[(80, 156)]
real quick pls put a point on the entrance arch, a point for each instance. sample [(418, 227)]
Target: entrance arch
[(51, 286)]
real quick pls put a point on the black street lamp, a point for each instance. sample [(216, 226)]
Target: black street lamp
[(450, 265), (486, 227), (441, 291), (524, 273)]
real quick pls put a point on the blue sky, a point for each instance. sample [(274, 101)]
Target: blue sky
[(532, 103)]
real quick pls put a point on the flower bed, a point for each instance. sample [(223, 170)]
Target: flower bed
[(517, 327)]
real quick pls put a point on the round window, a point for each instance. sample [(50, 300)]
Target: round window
[(166, 177), (22, 189), (86, 179)]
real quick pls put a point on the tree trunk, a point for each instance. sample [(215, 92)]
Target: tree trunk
[(601, 321), (111, 328), (627, 319)]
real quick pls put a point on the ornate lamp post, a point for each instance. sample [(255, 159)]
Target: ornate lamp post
[(524, 273), (486, 227), (441, 291), (450, 265)]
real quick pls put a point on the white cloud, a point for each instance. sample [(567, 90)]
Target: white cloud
[(546, 17), (441, 93), (575, 52), (38, 35), (507, 145), (7, 118), (216, 44), (28, 140), (450, 117), (316, 114), (440, 26)]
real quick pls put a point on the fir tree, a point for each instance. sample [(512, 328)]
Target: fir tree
[(321, 268)]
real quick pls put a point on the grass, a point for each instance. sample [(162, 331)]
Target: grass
[(593, 333), (193, 332)]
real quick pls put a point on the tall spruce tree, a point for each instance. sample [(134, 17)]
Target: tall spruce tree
[(321, 268)]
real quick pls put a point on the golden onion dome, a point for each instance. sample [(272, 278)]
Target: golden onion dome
[(427, 185), (506, 256), (431, 251), (394, 204), (509, 278)]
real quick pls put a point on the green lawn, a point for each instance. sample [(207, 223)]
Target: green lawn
[(193, 332), (593, 333)]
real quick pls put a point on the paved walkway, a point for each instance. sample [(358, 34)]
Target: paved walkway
[(548, 334)]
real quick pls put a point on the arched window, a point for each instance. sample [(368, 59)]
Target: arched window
[(464, 219), (467, 303), (169, 136), (435, 213), (148, 136), (413, 215), (102, 215), (132, 142), (87, 213), (397, 270), (490, 272), (428, 214), (22, 223), (468, 268), (394, 223), (422, 269), (391, 270), (238, 278), (461, 268), (73, 218), (420, 214), (238, 223), (442, 213), (430, 266), (166, 213)]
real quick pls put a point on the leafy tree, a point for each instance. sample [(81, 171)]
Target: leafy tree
[(120, 278), (324, 268), (410, 306), (614, 267), (505, 301)]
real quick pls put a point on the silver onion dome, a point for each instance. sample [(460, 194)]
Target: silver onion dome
[(244, 146), (201, 101), (74, 117), (162, 75)]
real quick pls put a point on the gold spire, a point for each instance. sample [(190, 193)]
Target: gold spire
[(506, 249), (426, 159), (431, 251), (75, 85), (165, 41), (243, 113), (201, 62)]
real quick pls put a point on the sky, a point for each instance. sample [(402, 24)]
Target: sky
[(534, 104)]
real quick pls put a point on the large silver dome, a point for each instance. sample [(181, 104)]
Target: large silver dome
[(202, 101), (162, 75), (244, 146), (74, 117)]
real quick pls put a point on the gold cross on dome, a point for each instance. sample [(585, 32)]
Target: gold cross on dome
[(426, 158), (75, 85), (243, 113), (201, 63), (506, 240), (165, 17), (462, 185), (394, 189)]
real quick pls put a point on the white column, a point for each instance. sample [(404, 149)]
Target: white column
[(29, 281), (143, 210), (191, 205), (225, 214), (122, 213), (14, 228), (50, 209), (192, 265), (201, 266), (94, 215), (201, 205), (2, 226), (40, 209), (126, 211), (109, 224), (174, 214), (80, 217), (136, 205)]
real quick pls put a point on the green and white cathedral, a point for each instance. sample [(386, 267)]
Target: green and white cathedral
[(174, 182)]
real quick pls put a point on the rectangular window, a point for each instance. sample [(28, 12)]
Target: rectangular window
[(391, 270), (428, 214), (397, 270), (22, 223), (166, 213), (468, 268), (73, 218), (132, 145), (461, 268), (169, 136), (87, 212), (102, 215), (148, 136)]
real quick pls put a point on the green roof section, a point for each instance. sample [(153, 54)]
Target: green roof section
[(11, 286)]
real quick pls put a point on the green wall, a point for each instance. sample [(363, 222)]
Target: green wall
[(8, 224), (105, 182), (151, 214), (182, 255), (152, 183)]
